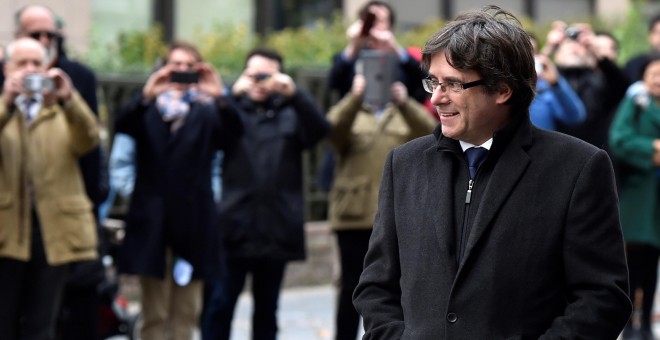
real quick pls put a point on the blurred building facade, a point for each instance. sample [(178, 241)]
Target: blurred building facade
[(100, 21)]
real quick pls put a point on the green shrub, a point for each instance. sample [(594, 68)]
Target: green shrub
[(226, 45)]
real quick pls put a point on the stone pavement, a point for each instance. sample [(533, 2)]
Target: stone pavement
[(305, 313)]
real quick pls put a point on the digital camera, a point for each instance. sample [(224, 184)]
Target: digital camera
[(572, 32), (35, 82)]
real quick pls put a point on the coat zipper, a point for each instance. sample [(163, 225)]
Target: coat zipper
[(466, 213)]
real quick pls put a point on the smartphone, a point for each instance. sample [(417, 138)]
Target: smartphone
[(379, 69), (184, 77), (367, 23)]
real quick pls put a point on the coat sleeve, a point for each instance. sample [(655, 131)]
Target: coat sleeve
[(628, 145), (84, 125), (568, 107), (313, 125), (418, 119), (341, 117), (377, 296), (595, 270), (5, 115), (129, 119)]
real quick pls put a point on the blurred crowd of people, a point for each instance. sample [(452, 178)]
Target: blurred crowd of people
[(213, 171)]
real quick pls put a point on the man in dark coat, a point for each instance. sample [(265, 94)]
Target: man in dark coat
[(262, 205), (526, 245), (172, 240)]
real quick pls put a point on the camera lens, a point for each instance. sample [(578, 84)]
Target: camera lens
[(572, 32)]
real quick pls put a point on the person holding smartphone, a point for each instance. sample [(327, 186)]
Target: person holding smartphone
[(172, 241)]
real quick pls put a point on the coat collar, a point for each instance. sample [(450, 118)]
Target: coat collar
[(508, 160)]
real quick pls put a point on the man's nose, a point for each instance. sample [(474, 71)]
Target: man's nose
[(439, 97)]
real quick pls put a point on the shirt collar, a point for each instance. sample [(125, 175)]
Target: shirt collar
[(486, 145)]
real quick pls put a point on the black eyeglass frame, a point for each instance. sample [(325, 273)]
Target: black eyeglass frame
[(36, 35), (433, 85)]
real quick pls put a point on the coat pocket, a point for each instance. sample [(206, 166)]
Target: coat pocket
[(77, 217), (5, 204), (5, 201), (350, 197)]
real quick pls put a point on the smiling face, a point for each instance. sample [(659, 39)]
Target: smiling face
[(26, 56), (652, 78), (261, 69), (473, 115)]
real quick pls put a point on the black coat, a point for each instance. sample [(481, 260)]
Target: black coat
[(544, 258), (262, 207), (600, 90), (172, 204)]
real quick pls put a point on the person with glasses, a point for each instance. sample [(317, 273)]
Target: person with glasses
[(492, 228), (261, 208), (46, 218), (361, 137), (81, 299)]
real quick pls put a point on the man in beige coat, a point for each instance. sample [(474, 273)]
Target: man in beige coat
[(362, 136), (46, 219)]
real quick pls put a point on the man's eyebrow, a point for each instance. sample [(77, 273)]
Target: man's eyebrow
[(452, 80)]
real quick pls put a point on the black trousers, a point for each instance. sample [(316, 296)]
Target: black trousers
[(643, 274), (267, 276), (353, 245), (30, 293)]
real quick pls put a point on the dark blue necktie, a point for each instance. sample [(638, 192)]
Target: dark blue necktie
[(475, 156)]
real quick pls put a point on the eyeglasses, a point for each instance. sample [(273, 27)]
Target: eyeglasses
[(178, 64), (431, 84), (259, 77), (38, 34)]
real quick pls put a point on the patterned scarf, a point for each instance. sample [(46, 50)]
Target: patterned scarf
[(174, 105)]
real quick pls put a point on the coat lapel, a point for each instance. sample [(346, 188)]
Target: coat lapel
[(438, 194), (508, 170)]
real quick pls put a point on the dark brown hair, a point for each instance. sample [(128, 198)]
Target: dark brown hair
[(364, 9), (491, 42), (186, 46)]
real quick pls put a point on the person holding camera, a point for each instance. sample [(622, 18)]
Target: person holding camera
[(47, 221), (79, 317), (587, 60), (361, 137), (262, 206), (555, 101), (178, 122)]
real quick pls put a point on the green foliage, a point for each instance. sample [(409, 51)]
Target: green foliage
[(418, 36), (309, 46), (632, 33), (133, 52), (226, 45)]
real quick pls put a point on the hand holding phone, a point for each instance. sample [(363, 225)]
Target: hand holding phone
[(184, 77), (367, 24)]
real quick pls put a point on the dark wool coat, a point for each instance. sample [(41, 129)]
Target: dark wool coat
[(544, 258), (262, 207), (172, 204)]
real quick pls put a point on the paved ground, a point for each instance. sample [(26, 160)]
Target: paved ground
[(307, 313), (304, 314)]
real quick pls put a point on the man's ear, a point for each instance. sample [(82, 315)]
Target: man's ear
[(504, 93)]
